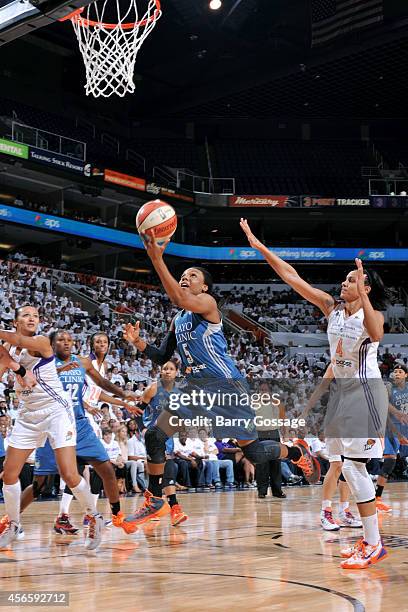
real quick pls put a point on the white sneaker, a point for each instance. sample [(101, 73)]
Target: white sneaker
[(347, 519), (365, 555), (94, 531), (9, 534), (327, 521)]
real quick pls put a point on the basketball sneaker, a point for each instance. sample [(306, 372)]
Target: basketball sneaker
[(381, 507), (327, 521), (348, 552), (347, 519), (10, 533), (4, 523), (94, 531), (117, 521), (153, 507), (365, 555), (177, 515), (63, 526), (307, 463)]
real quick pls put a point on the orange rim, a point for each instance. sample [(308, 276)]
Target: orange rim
[(75, 16)]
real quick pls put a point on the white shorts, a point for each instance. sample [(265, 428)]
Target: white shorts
[(357, 448), (356, 418), (58, 426)]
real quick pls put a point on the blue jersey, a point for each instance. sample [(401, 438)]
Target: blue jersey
[(158, 403), (202, 347), (73, 381), (398, 397), (2, 451)]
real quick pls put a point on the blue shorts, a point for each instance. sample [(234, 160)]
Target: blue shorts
[(391, 445), (88, 449)]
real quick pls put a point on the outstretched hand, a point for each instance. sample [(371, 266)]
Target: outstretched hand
[(252, 239), (360, 278), (131, 332), (153, 248)]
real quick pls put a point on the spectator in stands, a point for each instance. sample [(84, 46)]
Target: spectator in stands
[(229, 449), (211, 451), (186, 462), (113, 451), (136, 460)]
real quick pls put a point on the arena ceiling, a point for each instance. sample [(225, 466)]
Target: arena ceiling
[(253, 58)]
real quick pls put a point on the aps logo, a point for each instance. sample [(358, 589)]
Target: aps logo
[(47, 222)]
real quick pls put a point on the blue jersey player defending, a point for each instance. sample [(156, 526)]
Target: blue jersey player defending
[(72, 371), (396, 435), (154, 400), (196, 333)]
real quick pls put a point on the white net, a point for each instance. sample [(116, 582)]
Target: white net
[(109, 38)]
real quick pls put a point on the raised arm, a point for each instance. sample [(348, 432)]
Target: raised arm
[(373, 319), (103, 383), (203, 304), (288, 274), (159, 355), (35, 344)]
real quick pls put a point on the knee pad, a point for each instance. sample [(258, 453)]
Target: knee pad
[(170, 474), (259, 452), (38, 486), (155, 441), (388, 467), (359, 481)]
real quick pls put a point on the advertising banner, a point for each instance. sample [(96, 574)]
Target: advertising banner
[(8, 147), (188, 251), (261, 201), (56, 160), (125, 180), (157, 190)]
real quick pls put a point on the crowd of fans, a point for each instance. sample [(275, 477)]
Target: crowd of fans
[(204, 463)]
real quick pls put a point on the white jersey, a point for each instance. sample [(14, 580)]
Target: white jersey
[(48, 394), (353, 355), (93, 391)]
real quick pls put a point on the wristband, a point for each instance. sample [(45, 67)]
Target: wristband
[(21, 371)]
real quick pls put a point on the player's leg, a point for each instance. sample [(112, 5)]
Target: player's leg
[(61, 432), (263, 451), (391, 448), (154, 505), (346, 517), (13, 464), (369, 550), (63, 525), (106, 472), (169, 489), (328, 492)]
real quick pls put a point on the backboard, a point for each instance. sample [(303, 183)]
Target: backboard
[(20, 17)]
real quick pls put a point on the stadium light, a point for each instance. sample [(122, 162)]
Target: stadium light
[(215, 5)]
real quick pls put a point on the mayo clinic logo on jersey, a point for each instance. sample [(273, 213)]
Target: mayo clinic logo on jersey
[(185, 332), (369, 444)]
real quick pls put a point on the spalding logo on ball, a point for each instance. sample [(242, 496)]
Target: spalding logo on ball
[(158, 216)]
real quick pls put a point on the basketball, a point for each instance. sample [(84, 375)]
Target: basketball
[(158, 216)]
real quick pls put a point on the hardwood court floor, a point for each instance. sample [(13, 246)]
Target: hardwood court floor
[(234, 553)]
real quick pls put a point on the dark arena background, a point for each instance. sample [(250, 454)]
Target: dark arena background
[(291, 114)]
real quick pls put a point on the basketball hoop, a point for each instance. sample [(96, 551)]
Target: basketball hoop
[(109, 50)]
